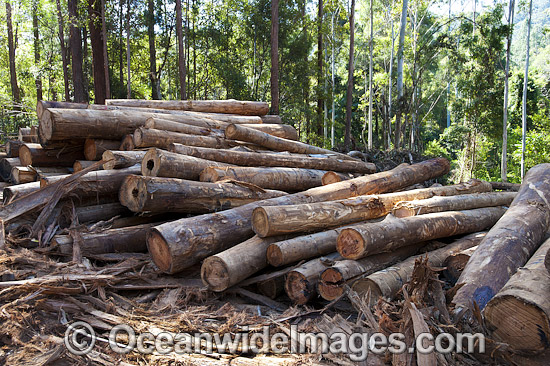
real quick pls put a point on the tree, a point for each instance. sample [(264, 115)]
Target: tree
[(11, 54), (105, 51), (128, 54), (275, 56), (64, 58), (524, 99), (349, 92), (75, 43), (320, 91), (36, 47), (155, 85), (504, 159), (400, 61), (181, 51), (370, 74), (98, 56)]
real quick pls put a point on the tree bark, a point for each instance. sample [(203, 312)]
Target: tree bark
[(12, 193), (64, 56), (127, 143), (153, 76), (177, 245), (36, 48), (83, 164), (504, 157), (98, 55), (390, 234), (36, 155), (455, 264), (94, 148), (351, 65), (121, 159), (457, 203), (148, 137), (157, 195), (25, 134), (276, 220), (11, 55), (510, 243), (400, 62), (21, 175), (181, 51), (6, 165), (160, 163), (167, 125), (42, 105), (333, 279), (320, 91), (99, 212), (272, 159), (505, 186), (12, 148), (274, 57), (524, 97), (75, 42), (388, 282), (128, 56), (523, 301), (104, 37)]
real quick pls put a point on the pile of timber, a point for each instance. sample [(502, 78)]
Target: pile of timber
[(223, 186)]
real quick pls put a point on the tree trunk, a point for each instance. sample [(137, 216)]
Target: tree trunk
[(320, 91), (523, 301), (127, 143), (391, 234), (12, 148), (98, 212), (524, 99), (272, 288), (98, 56), (275, 220), (153, 76), (121, 159), (128, 55), (400, 62), (20, 175), (351, 65), (160, 163), (94, 148), (457, 203), (6, 165), (83, 164), (332, 280), (388, 282), (455, 264), (334, 177), (504, 158), (75, 42), (301, 283), (167, 125), (230, 267), (36, 47), (11, 55), (12, 193), (104, 37), (36, 155), (510, 242), (181, 51), (64, 56), (41, 106), (175, 246), (505, 186), (371, 41), (157, 195), (144, 137), (272, 159), (284, 179), (274, 56), (25, 135)]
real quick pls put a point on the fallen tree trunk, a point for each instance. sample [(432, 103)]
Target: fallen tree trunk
[(510, 243), (301, 283), (20, 175), (127, 143), (455, 264), (160, 163), (278, 130), (144, 137), (178, 245), (241, 133), (83, 164), (455, 203), (42, 105), (332, 280), (505, 186), (121, 159), (12, 148), (36, 155), (12, 193), (94, 148), (284, 179), (171, 126), (101, 212), (519, 314), (275, 220), (124, 240), (230, 106), (392, 233), (6, 166), (154, 194), (388, 282), (230, 267), (273, 160)]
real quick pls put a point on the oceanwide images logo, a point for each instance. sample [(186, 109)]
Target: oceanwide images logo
[(80, 339)]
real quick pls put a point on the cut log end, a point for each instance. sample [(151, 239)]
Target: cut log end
[(131, 193), (260, 222), (25, 155), (214, 274), (159, 251), (275, 255), (403, 211), (350, 244), (90, 149), (45, 129), (523, 325), (331, 284), (109, 157), (150, 164), (127, 143), (297, 288), (369, 288), (331, 177), (209, 174)]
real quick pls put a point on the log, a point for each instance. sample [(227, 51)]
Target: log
[(160, 163), (242, 133), (156, 195), (20, 175), (26, 135), (284, 179), (6, 166), (275, 220), (279, 130), (334, 177), (455, 264), (42, 105), (123, 240), (301, 283), (456, 203), (167, 125), (36, 155), (510, 243), (333, 279), (393, 233), (273, 160), (180, 244), (519, 314), (101, 212), (121, 159), (272, 288), (12, 193), (148, 137), (228, 268), (388, 282), (127, 143), (12, 148), (83, 164), (230, 106), (271, 119), (94, 148), (547, 261), (505, 186), (101, 182)]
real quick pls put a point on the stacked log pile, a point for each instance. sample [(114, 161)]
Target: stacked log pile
[(223, 186)]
